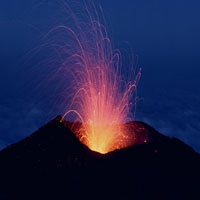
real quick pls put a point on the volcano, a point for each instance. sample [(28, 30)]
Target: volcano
[(52, 163)]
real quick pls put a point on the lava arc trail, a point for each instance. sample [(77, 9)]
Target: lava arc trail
[(102, 98)]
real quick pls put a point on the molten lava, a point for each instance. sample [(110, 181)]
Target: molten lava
[(102, 99), (108, 138)]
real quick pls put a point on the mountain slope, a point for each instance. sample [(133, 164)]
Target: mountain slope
[(52, 164)]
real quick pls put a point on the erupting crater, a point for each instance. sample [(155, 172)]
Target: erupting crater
[(108, 139)]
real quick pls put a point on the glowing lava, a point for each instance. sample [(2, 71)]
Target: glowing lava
[(102, 98)]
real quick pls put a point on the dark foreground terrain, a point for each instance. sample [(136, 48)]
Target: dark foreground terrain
[(52, 164)]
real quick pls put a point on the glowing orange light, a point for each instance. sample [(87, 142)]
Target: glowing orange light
[(102, 99)]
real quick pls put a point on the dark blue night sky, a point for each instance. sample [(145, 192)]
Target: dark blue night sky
[(164, 36)]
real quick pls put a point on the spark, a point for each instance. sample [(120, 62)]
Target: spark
[(102, 99)]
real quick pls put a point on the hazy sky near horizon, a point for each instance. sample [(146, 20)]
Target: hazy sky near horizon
[(164, 35)]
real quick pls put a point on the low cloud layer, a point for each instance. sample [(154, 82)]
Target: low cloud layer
[(173, 112), (18, 119)]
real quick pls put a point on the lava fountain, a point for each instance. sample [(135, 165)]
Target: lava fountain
[(102, 98)]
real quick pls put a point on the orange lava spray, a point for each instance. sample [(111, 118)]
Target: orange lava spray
[(102, 99)]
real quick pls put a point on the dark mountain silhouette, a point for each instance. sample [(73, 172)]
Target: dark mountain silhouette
[(53, 164)]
